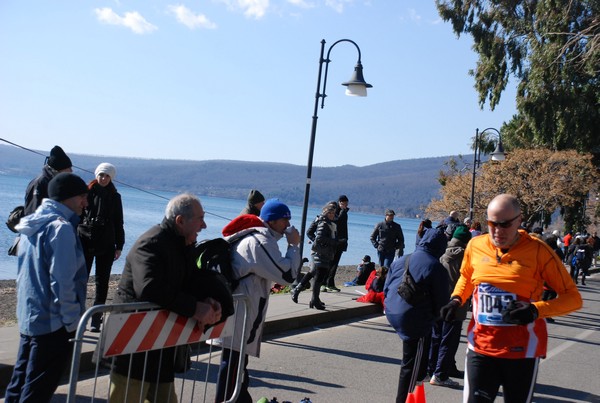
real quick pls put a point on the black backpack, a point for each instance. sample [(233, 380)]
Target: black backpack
[(215, 255), (14, 217), (215, 277)]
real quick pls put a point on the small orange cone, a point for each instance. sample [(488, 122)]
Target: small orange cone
[(410, 398), (419, 393)]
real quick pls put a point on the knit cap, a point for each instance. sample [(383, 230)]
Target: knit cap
[(274, 209), (58, 159), (66, 185), (255, 197), (106, 168), (462, 234)]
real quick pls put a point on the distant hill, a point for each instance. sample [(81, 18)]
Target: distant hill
[(406, 186)]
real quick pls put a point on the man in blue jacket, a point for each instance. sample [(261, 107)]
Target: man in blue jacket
[(413, 322), (51, 288)]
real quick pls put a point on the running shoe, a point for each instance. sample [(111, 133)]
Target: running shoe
[(449, 383)]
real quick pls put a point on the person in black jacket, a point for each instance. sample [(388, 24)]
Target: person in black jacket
[(101, 231), (388, 239), (37, 189), (323, 234), (341, 221), (160, 269)]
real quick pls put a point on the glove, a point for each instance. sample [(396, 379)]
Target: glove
[(519, 313), (448, 311)]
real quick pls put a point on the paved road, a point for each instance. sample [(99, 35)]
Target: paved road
[(358, 361)]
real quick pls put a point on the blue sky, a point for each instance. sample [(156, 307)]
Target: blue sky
[(236, 80)]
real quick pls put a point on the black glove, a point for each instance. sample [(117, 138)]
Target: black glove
[(519, 313), (448, 311)]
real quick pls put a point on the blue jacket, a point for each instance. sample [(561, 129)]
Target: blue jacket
[(52, 276), (413, 322)]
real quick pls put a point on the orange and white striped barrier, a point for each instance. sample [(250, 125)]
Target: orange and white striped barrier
[(127, 333)]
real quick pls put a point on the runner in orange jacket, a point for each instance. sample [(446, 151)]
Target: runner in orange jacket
[(505, 272)]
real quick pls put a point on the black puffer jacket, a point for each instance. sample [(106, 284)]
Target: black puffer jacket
[(323, 234)]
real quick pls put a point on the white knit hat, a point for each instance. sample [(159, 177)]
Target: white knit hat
[(106, 168)]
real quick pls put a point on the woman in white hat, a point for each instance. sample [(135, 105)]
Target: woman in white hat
[(101, 231)]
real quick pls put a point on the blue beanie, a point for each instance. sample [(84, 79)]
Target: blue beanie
[(274, 209)]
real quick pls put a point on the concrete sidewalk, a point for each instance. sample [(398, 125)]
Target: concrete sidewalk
[(283, 314)]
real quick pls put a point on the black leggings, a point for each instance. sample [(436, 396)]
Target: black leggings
[(484, 375)]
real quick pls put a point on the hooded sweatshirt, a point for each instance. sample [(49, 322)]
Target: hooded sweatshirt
[(413, 322), (52, 276)]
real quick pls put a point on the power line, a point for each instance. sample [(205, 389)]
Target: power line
[(114, 180)]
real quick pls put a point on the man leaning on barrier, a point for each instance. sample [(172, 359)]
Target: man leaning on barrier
[(158, 269)]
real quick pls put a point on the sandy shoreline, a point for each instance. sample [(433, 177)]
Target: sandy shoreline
[(8, 294)]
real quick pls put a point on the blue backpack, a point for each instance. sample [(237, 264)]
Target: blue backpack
[(578, 257)]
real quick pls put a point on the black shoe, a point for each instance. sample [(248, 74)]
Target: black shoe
[(96, 322), (295, 293), (550, 320), (317, 305)]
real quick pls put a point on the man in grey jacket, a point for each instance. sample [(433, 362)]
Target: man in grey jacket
[(258, 262)]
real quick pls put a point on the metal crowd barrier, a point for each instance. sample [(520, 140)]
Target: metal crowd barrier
[(143, 327)]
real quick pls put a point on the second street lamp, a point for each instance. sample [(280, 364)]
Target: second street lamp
[(497, 155), (356, 86)]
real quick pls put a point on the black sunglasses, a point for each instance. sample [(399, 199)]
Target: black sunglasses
[(503, 224)]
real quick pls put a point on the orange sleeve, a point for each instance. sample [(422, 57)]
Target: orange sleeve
[(555, 274), (464, 285)]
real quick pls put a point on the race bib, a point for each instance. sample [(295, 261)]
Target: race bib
[(492, 300)]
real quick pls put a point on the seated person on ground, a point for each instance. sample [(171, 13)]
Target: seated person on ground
[(364, 270)]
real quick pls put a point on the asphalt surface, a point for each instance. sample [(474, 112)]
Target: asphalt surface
[(349, 353)]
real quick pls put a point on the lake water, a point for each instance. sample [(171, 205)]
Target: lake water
[(141, 210)]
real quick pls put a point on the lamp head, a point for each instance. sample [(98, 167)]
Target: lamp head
[(499, 154), (357, 86)]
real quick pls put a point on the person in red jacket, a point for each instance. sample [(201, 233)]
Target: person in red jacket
[(504, 273)]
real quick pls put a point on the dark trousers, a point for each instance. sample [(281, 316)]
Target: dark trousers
[(330, 282), (484, 375), (386, 258), (318, 273), (414, 365), (445, 338), (228, 371), (104, 262), (41, 362)]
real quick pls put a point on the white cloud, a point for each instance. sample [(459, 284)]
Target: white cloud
[(337, 5), (251, 8), (413, 15), (132, 20), (301, 3), (185, 16)]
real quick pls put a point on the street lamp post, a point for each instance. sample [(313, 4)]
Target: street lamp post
[(497, 155), (356, 86)]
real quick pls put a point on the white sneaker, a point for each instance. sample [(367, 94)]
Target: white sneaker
[(449, 383)]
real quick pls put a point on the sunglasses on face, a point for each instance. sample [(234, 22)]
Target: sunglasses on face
[(503, 224)]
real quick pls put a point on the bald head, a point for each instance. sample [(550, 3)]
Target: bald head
[(505, 202), (504, 218)]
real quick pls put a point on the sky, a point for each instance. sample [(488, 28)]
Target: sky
[(236, 80)]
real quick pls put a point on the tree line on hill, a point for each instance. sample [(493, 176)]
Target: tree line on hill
[(407, 186)]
